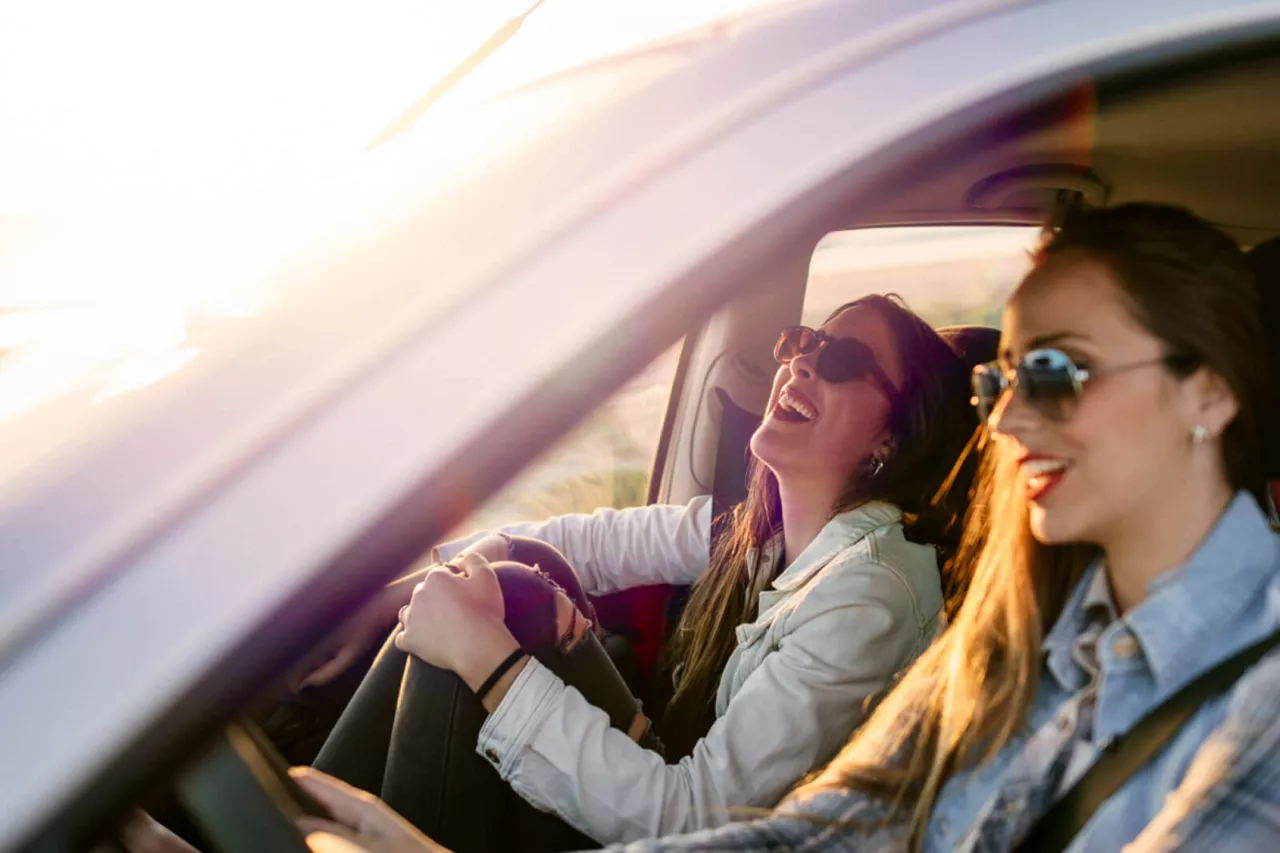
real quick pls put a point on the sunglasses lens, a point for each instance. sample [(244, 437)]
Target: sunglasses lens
[(844, 359), (793, 342), (988, 384), (1047, 380)]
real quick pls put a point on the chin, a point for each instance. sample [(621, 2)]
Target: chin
[(765, 445), (1054, 527)]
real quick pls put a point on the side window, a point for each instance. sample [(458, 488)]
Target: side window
[(605, 461), (949, 275)]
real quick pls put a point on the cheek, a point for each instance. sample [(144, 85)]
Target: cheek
[(1122, 442), (1122, 431), (852, 424)]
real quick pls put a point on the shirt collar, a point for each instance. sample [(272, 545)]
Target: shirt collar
[(839, 533), (1097, 601), (1186, 622), (1090, 593)]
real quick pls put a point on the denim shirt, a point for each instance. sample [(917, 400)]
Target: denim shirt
[(1214, 786)]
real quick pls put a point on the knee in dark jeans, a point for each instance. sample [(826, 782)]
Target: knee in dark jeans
[(529, 599), (553, 565), (530, 607)]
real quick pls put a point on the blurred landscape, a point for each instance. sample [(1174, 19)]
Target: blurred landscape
[(949, 276)]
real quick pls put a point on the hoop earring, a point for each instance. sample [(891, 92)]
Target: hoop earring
[(874, 466), (1198, 434)]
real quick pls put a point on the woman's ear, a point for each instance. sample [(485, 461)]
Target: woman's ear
[(883, 453), (1208, 402)]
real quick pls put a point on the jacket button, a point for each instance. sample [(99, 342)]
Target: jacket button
[(492, 755), (1125, 647)]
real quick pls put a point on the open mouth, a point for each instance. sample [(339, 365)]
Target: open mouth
[(794, 407), (1042, 475)]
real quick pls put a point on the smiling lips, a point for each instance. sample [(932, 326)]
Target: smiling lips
[(794, 407), (1043, 473)]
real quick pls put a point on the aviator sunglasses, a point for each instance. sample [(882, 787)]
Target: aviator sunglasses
[(1046, 379), (839, 359)]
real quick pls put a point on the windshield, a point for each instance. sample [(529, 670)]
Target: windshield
[(151, 185)]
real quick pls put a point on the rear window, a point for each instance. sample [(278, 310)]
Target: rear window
[(949, 275)]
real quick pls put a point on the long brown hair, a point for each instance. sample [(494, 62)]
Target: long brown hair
[(961, 701), (930, 427)]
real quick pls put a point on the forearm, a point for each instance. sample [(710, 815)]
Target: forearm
[(614, 549), (791, 714), (565, 754)]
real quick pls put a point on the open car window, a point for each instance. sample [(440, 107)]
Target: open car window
[(605, 462)]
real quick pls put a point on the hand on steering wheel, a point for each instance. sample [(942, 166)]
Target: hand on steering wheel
[(361, 821)]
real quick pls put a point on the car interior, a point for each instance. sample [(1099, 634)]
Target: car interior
[(1198, 134)]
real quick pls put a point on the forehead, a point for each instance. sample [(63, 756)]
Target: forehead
[(1073, 297), (869, 326)]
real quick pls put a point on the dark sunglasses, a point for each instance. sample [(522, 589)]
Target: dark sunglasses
[(1046, 379), (839, 359)]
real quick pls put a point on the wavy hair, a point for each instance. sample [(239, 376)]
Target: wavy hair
[(930, 427)]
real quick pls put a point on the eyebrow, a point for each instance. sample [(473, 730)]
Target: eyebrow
[(1043, 341)]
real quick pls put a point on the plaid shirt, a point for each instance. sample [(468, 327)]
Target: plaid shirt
[(1214, 787)]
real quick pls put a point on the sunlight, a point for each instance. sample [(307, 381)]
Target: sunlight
[(158, 158)]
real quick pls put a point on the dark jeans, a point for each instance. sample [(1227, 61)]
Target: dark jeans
[(410, 731)]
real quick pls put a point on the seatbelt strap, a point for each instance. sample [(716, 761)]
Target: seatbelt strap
[(1125, 755)]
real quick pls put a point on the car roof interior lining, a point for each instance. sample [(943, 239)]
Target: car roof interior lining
[(1199, 135)]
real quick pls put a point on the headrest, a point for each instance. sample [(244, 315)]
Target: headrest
[(1264, 260), (973, 345)]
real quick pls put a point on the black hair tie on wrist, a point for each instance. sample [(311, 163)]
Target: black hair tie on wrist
[(502, 669)]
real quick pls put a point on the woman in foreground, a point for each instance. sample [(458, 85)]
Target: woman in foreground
[(1125, 552)]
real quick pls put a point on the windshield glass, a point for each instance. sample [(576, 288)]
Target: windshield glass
[(152, 184)]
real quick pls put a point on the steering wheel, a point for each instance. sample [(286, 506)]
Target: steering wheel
[(242, 797)]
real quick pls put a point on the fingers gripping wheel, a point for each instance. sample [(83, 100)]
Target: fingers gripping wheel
[(242, 797)]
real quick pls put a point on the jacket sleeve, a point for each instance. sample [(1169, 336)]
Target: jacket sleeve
[(613, 549), (791, 714)]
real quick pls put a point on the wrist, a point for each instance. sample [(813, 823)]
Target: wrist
[(485, 652), (493, 698)]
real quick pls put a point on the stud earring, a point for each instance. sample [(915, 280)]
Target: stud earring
[(1198, 434)]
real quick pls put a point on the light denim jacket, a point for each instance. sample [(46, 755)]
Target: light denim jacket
[(851, 610), (1216, 784)]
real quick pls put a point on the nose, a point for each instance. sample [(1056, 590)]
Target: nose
[(1012, 416), (805, 366)]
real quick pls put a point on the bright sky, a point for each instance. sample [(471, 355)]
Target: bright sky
[(121, 123), (135, 102)]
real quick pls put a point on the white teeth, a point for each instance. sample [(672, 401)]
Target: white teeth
[(1040, 467), (789, 402)]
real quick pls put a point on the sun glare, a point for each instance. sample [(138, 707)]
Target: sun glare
[(156, 157)]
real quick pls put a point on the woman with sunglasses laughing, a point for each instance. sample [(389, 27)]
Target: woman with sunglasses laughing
[(823, 584)]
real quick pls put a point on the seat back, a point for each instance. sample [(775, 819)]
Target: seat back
[(1264, 259)]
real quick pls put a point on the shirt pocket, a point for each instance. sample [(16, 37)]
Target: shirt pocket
[(755, 641)]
